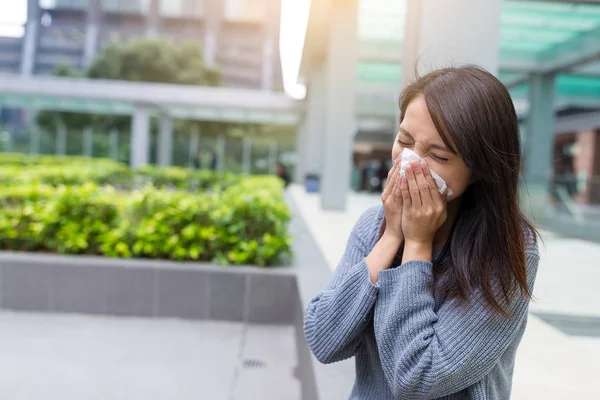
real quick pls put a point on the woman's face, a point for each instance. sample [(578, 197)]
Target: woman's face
[(418, 133)]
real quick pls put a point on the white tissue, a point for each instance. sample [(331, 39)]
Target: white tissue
[(409, 156)]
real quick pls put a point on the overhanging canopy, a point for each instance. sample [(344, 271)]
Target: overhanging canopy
[(536, 36), (121, 97)]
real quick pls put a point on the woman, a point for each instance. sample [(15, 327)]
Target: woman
[(432, 292)]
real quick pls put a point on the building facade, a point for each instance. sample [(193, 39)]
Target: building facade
[(240, 37)]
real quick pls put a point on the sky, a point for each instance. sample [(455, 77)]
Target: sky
[(294, 17)]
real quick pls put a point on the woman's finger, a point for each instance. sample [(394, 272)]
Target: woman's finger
[(413, 187), (433, 190), (423, 184), (397, 191), (391, 179), (406, 199)]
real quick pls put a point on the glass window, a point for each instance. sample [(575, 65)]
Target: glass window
[(64, 4), (126, 6), (181, 8), (245, 10)]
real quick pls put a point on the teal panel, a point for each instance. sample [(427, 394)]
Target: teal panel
[(379, 72), (67, 104)]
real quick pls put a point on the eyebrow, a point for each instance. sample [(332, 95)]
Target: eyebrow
[(432, 146)]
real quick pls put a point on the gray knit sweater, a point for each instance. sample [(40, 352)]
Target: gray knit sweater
[(408, 344)]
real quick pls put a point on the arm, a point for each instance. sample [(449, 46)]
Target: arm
[(337, 316), (426, 355)]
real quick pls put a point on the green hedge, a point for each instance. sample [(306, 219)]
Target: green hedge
[(242, 220), (67, 170)]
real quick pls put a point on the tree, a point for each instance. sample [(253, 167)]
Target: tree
[(153, 60), (141, 60)]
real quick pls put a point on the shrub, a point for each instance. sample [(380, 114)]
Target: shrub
[(188, 179), (243, 224)]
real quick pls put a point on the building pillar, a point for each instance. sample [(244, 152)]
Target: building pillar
[(92, 32), (194, 147), (311, 156), (213, 18), (61, 139), (165, 142), (88, 142), (540, 143), (247, 155), (267, 71), (153, 19), (30, 40), (140, 136), (270, 37), (301, 150), (114, 144), (441, 34), (34, 139), (220, 152), (340, 118), (272, 157), (585, 163)]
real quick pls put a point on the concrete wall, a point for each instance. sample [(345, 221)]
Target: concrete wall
[(161, 289)]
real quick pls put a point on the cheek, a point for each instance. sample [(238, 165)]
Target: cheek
[(456, 178), (396, 150)]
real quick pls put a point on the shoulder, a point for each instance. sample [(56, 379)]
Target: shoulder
[(532, 253), (366, 229), (530, 241)]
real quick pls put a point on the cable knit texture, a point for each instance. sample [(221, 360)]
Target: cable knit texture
[(407, 344)]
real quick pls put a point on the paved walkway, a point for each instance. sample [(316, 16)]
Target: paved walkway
[(551, 365), (64, 357)]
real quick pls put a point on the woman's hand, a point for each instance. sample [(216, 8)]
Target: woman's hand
[(424, 210), (392, 203), (384, 252)]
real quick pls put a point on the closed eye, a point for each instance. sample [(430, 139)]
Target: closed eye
[(438, 158), (403, 143)]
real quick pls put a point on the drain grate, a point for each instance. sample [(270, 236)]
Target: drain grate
[(254, 363)]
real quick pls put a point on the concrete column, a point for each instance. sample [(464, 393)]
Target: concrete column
[(272, 157), (34, 139), (61, 139), (311, 159), (194, 147), (165, 142), (92, 32), (340, 123), (153, 19), (114, 144), (270, 38), (266, 81), (88, 142), (140, 136), (220, 152), (247, 155), (540, 143), (213, 19), (301, 150), (30, 40), (440, 34)]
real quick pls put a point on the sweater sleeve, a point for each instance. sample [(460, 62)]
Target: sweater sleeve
[(336, 317), (427, 354)]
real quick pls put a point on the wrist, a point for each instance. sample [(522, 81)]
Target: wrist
[(393, 237), (417, 250)]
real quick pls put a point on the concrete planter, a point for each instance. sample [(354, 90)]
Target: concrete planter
[(140, 288), (196, 291)]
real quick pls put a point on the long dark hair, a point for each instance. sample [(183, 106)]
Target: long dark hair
[(475, 116)]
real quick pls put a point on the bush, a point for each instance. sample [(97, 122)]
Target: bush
[(67, 170), (69, 209)]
